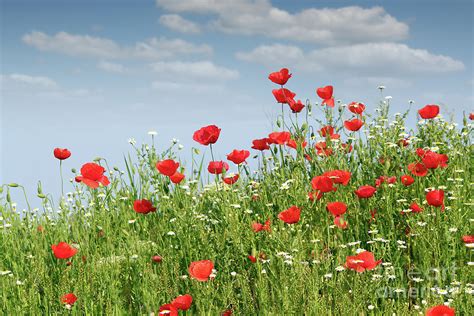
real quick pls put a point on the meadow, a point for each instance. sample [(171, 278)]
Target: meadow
[(342, 213)]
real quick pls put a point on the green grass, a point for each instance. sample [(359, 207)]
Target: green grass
[(113, 274)]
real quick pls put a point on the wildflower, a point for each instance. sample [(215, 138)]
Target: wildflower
[(361, 262), (257, 227), (356, 107), (260, 144), (407, 180), (435, 198), (201, 270), (323, 184), (280, 77), (207, 135), (143, 206), (182, 302), (418, 169), (340, 222), (353, 125), (231, 179), (238, 156), (217, 167), (283, 95), (291, 215), (92, 174), (336, 208), (365, 192), (69, 299), (167, 167), (440, 310), (63, 250), (280, 138), (168, 309), (177, 177), (429, 111), (156, 259), (62, 153), (325, 93)]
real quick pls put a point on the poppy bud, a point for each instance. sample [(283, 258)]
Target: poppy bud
[(41, 196), (278, 123), (13, 185), (40, 190), (156, 259), (73, 170)]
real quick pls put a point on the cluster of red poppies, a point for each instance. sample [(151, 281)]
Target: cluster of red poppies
[(92, 175)]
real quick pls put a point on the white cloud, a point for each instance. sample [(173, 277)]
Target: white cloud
[(195, 70), (33, 81), (179, 24), (375, 59), (330, 26), (89, 46), (111, 67)]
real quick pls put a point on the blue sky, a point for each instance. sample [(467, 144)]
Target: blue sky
[(88, 75)]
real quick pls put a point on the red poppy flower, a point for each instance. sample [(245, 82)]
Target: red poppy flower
[(167, 167), (92, 174), (283, 95), (231, 179), (440, 310), (292, 143), (418, 169), (217, 167), (207, 135), (69, 299), (143, 206), (183, 302), (62, 153), (468, 239), (260, 144), (325, 92), (433, 160), (280, 77), (315, 195), (238, 156), (329, 102), (415, 208), (63, 250), (252, 259), (407, 180), (322, 149), (280, 138), (156, 259), (323, 184), (471, 116), (201, 270), (361, 262), (429, 111), (435, 198), (356, 107), (227, 312), (365, 191), (336, 208), (177, 177), (353, 125), (339, 176), (296, 107), (168, 310), (328, 131), (257, 227), (291, 215), (340, 222)]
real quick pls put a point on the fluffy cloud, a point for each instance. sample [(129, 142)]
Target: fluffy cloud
[(194, 70), (329, 26), (363, 59), (179, 24), (89, 46), (33, 81)]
